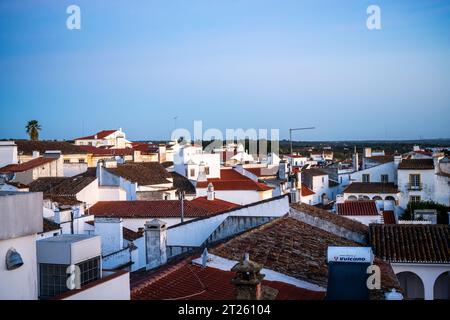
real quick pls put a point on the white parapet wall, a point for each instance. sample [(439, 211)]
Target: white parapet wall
[(195, 232)]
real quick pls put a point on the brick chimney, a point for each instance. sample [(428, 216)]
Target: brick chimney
[(155, 243), (247, 279)]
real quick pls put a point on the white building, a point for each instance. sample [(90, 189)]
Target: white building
[(21, 220), (190, 160), (105, 138), (424, 180), (419, 256)]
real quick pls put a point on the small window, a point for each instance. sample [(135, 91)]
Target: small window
[(366, 177), (414, 199), (384, 178), (66, 161), (207, 170), (80, 160), (192, 172)]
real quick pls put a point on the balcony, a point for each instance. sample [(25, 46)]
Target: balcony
[(415, 186)]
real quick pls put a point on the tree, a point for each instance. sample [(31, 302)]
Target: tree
[(442, 210), (33, 127)]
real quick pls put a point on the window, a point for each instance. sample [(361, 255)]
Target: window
[(384, 178), (414, 199), (414, 182), (192, 173), (66, 161), (207, 170), (80, 160), (366, 177), (323, 179)]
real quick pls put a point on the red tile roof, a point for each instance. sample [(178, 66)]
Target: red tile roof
[(131, 235), (263, 172), (147, 209), (21, 167), (416, 164), (371, 187), (214, 206), (232, 180), (306, 191), (411, 243), (100, 135), (357, 208), (186, 281), (107, 152), (389, 217), (143, 173)]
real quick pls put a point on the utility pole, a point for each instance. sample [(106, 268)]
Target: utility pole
[(297, 129)]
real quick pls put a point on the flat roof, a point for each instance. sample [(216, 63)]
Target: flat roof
[(68, 238)]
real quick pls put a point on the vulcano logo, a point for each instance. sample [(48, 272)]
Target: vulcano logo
[(348, 258)]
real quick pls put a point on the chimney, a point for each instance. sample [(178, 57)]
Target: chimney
[(367, 152), (294, 195), (36, 154), (99, 172), (282, 170), (201, 172), (210, 194), (247, 279), (95, 137), (155, 243), (355, 160), (111, 232)]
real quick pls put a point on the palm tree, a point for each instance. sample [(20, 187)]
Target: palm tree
[(33, 127)]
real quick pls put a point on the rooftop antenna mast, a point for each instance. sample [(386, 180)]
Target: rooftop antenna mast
[(297, 129)]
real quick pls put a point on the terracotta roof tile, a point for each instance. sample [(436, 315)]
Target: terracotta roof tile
[(416, 164), (389, 217), (49, 225), (181, 183), (107, 151), (61, 186), (214, 206), (357, 208), (144, 173), (131, 235), (27, 147), (306, 191), (411, 243), (147, 209), (100, 135), (338, 220), (25, 166), (371, 187), (232, 180), (186, 281)]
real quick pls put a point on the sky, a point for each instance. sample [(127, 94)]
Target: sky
[(263, 64)]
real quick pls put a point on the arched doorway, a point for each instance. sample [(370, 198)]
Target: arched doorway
[(377, 198), (389, 198), (441, 290), (412, 285)]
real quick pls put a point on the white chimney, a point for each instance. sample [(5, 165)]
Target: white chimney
[(210, 194), (294, 195), (155, 243), (36, 154), (111, 232), (367, 152)]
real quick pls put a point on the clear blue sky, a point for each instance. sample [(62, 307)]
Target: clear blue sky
[(230, 63)]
